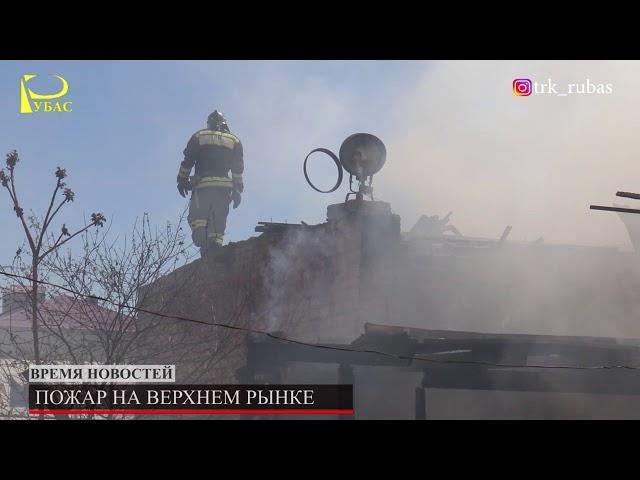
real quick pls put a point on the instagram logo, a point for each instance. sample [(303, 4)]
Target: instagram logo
[(522, 87)]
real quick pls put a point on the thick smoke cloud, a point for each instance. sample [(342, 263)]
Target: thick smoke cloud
[(461, 141)]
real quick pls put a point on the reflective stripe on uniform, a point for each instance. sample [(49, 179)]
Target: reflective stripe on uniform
[(211, 182), (211, 137), (198, 224), (184, 172), (236, 176)]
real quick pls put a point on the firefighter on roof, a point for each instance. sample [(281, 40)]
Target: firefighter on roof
[(213, 152)]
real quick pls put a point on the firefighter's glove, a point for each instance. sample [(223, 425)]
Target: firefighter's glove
[(238, 184), (184, 185), (236, 198)]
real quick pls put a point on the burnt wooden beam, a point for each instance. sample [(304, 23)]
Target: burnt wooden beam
[(270, 226)]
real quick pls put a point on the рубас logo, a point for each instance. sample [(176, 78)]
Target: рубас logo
[(32, 102)]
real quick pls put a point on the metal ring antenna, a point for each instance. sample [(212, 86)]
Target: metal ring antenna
[(335, 159)]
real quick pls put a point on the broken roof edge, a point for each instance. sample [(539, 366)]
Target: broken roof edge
[(426, 333)]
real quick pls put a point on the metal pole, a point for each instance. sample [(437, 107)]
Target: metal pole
[(421, 404), (614, 209), (346, 377), (421, 399), (628, 195)]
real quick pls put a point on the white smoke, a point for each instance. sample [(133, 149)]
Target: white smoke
[(463, 142), (297, 280)]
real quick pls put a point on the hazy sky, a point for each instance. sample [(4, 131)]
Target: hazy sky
[(457, 139)]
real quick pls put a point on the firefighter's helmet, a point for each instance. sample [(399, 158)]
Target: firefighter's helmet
[(216, 121)]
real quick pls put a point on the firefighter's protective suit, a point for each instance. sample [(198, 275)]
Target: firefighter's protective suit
[(214, 152)]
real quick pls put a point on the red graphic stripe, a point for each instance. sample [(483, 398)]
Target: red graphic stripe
[(191, 412)]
